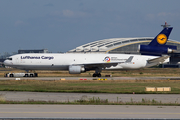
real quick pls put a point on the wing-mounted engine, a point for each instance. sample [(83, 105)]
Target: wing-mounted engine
[(75, 69), (156, 50)]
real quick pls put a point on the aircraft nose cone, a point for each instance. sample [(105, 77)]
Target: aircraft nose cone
[(6, 62)]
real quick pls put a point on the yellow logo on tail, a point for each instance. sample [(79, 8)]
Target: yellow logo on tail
[(161, 38)]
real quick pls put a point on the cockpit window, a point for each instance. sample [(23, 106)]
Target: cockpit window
[(9, 58)]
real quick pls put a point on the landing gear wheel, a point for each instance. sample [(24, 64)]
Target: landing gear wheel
[(97, 72), (97, 75), (94, 75), (11, 75), (31, 75)]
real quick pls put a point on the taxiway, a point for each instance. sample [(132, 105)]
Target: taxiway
[(89, 111), (89, 78), (65, 97)]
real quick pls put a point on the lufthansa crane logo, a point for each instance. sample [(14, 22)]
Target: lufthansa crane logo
[(161, 39)]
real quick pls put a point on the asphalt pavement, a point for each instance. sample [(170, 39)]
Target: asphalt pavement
[(89, 112)]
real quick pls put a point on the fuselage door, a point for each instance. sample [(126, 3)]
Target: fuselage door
[(17, 60)]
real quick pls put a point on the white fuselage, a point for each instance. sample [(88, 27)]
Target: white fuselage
[(49, 61)]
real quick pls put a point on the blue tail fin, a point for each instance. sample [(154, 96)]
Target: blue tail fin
[(158, 45), (162, 37)]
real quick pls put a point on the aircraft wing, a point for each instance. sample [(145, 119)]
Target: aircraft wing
[(159, 59), (101, 65), (106, 64)]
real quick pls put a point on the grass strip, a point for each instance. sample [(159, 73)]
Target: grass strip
[(90, 86), (94, 101)]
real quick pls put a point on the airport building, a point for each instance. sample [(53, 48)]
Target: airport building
[(118, 45), (125, 46), (33, 51), (4, 56)]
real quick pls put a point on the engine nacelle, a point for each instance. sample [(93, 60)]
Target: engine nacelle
[(74, 69), (156, 50)]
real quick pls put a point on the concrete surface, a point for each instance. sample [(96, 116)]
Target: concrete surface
[(90, 78), (64, 97), (89, 111)]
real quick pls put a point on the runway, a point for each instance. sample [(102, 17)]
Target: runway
[(89, 111)]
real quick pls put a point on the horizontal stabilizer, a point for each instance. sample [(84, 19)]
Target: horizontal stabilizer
[(160, 59)]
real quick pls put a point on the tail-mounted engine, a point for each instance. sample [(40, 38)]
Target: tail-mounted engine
[(156, 50)]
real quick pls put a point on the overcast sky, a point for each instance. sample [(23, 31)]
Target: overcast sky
[(62, 25)]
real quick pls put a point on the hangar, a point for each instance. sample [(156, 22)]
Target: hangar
[(118, 45)]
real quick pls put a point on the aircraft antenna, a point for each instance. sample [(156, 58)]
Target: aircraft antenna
[(165, 25)]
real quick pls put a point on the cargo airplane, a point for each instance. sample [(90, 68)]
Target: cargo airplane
[(151, 55)]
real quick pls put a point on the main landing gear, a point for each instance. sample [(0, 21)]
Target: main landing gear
[(97, 75), (97, 72)]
